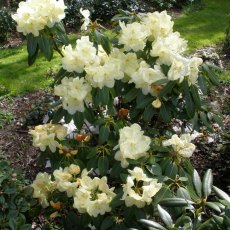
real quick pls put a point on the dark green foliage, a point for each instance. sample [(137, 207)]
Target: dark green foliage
[(103, 10), (226, 47), (168, 4), (7, 24), (15, 199)]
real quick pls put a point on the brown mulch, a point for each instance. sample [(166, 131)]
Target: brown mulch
[(15, 143)]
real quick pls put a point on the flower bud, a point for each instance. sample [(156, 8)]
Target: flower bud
[(74, 169), (156, 88), (53, 215), (156, 103), (123, 112), (81, 137), (55, 205)]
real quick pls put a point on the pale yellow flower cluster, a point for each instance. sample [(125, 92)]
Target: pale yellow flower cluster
[(123, 64), (132, 144), (65, 179), (93, 195), (167, 47), (74, 92), (139, 189), (181, 145), (77, 59), (146, 76), (46, 136), (43, 186), (32, 15)]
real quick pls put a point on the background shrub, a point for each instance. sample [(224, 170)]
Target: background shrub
[(7, 24), (226, 47), (168, 4), (103, 10)]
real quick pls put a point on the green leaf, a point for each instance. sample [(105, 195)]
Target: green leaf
[(103, 40), (92, 163), (213, 206), (32, 48), (154, 169), (175, 202), (92, 153), (171, 170), (195, 96), (218, 120), (189, 105), (107, 223), (203, 84), (106, 44), (103, 165), (145, 102), (89, 115), (223, 195), (195, 122), (32, 58), (207, 183), (165, 216), (116, 170), (167, 89), (165, 69), (204, 120), (183, 193), (165, 113), (163, 193), (197, 183), (46, 46), (32, 43), (206, 225), (103, 134), (149, 112), (104, 95), (117, 202), (131, 95), (181, 221), (67, 117), (61, 34), (12, 224), (151, 223), (211, 74), (58, 115), (78, 118), (26, 227), (219, 220)]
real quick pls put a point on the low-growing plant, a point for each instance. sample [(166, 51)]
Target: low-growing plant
[(15, 198), (117, 162), (6, 118)]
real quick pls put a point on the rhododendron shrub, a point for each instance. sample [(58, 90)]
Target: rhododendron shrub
[(121, 164)]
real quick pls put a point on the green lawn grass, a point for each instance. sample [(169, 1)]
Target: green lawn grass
[(204, 27), (17, 77)]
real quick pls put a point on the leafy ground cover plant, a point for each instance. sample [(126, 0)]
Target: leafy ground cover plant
[(118, 164), (15, 198)]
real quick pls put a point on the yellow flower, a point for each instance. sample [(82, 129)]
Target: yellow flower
[(156, 103)]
